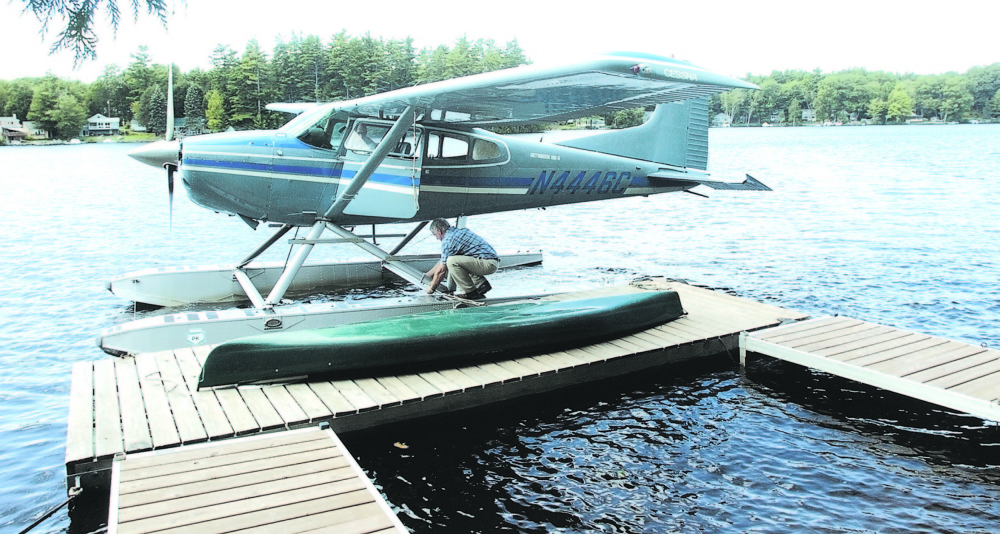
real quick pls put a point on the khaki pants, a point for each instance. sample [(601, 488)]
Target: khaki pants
[(469, 272)]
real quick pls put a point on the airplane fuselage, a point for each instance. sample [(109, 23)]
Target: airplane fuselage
[(434, 172)]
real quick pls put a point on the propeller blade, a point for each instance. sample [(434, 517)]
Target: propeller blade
[(171, 168), (169, 136)]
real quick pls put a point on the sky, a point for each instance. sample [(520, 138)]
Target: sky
[(730, 37)]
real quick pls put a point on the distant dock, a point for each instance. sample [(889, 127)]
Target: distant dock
[(955, 375)]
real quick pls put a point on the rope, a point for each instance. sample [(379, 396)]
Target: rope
[(73, 492)]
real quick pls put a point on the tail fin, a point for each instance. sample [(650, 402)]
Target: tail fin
[(676, 134)]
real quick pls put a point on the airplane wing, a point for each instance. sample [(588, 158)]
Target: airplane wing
[(291, 107), (540, 94)]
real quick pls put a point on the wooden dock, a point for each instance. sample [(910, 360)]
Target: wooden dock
[(150, 402), (296, 481), (948, 373)]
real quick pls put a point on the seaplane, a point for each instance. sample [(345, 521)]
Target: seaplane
[(409, 156)]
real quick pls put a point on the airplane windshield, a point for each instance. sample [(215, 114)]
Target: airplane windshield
[(325, 131), (305, 119)]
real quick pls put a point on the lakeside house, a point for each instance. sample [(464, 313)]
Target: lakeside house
[(721, 120), (11, 129), (101, 125)]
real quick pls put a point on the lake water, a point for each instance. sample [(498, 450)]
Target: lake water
[(895, 225)]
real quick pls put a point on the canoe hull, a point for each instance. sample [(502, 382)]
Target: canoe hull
[(436, 339)]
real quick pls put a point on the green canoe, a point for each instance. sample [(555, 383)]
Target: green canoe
[(435, 339)]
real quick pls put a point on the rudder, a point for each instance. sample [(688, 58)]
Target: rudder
[(676, 134)]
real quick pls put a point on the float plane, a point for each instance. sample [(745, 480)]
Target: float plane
[(409, 156)]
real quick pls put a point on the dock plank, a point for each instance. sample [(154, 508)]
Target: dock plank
[(261, 462), (212, 415), (441, 383), (364, 518), (107, 418), (925, 359), (307, 400), (259, 442), (836, 338), (399, 389), (420, 386), (161, 420), (805, 329), (244, 479), (517, 369), (377, 392), (263, 412), (186, 416), (265, 510), (460, 378), (338, 405), (355, 395), (986, 387), (922, 343), (284, 404), (80, 426), (873, 353), (959, 371), (883, 340), (133, 412)]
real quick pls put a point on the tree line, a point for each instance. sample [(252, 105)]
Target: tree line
[(857, 94), (234, 91)]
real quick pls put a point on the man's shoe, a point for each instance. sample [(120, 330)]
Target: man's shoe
[(473, 295), (484, 288)]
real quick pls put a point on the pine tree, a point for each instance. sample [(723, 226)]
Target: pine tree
[(194, 112)]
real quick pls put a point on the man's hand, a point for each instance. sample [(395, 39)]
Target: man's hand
[(437, 274)]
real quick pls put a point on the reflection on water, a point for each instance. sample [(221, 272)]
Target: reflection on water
[(892, 225)]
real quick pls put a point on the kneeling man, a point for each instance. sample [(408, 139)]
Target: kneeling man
[(467, 256)]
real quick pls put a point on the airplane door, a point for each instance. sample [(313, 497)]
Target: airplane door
[(393, 191)]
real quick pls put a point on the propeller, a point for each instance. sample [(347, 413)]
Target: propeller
[(165, 153)]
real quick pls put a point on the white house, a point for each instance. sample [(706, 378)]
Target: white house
[(808, 115), (101, 125), (35, 131)]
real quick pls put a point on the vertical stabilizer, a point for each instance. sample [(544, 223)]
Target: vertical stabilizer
[(676, 134)]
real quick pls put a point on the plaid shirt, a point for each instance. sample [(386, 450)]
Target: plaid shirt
[(463, 242)]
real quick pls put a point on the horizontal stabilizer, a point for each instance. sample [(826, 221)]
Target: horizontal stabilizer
[(749, 184)]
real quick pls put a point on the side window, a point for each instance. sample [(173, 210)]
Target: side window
[(450, 147), (408, 146), (484, 150), (433, 145), (366, 136), (454, 147)]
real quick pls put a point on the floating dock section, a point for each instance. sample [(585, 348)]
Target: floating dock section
[(297, 481), (150, 402), (948, 373)]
